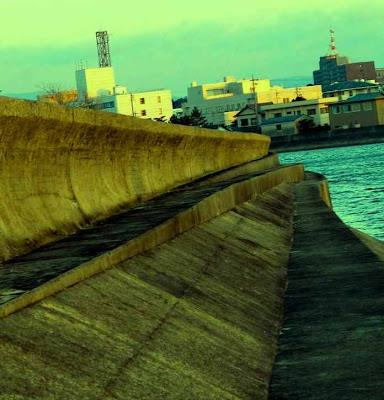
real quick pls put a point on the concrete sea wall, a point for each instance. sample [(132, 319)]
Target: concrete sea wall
[(63, 168)]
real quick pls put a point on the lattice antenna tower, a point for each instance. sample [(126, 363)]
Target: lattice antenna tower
[(332, 45), (102, 40)]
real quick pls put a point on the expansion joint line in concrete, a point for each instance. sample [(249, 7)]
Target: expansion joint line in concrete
[(162, 322)]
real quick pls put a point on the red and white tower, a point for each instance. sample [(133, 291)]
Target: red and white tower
[(332, 46)]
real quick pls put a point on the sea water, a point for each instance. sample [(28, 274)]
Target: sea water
[(356, 181)]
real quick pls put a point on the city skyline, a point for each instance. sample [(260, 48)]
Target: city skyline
[(177, 45)]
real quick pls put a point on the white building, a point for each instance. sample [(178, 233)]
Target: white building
[(97, 87), (220, 102)]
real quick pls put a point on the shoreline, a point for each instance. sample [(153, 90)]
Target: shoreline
[(347, 137)]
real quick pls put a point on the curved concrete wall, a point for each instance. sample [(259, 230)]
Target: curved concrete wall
[(62, 168)]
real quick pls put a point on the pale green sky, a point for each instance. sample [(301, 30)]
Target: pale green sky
[(169, 43)]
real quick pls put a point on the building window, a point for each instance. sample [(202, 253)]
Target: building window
[(367, 106), (278, 127), (160, 111), (356, 107), (244, 122), (350, 93), (286, 100), (159, 99), (102, 106), (311, 111), (253, 121), (289, 112), (277, 115), (324, 110), (143, 113), (336, 109), (347, 108), (142, 100)]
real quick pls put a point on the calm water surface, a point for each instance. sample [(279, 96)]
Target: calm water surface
[(356, 181)]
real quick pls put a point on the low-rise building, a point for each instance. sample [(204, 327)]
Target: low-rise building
[(220, 102), (247, 117), (283, 126), (359, 111), (317, 109), (380, 75), (347, 89)]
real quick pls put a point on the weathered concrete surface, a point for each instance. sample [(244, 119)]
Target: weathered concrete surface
[(377, 246), (58, 265), (195, 318), (332, 342), (62, 168)]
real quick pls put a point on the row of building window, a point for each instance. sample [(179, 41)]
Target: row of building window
[(143, 113), (245, 122), (309, 111), (102, 106), (350, 92), (356, 107), (226, 108), (142, 99)]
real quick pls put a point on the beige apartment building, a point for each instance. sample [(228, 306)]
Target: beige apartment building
[(359, 111), (97, 88), (220, 102)]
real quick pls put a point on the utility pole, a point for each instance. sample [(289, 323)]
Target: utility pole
[(255, 99), (277, 96), (133, 113)]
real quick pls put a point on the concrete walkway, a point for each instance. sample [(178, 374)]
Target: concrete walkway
[(332, 342)]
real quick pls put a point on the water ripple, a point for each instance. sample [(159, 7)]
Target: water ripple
[(356, 182)]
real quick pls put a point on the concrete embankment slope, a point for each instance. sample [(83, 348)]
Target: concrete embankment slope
[(195, 318), (62, 168)]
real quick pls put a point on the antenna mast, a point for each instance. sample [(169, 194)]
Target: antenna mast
[(333, 46), (102, 41)]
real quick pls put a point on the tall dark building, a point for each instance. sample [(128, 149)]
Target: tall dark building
[(334, 68)]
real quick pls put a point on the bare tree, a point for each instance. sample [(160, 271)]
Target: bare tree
[(55, 93)]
